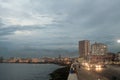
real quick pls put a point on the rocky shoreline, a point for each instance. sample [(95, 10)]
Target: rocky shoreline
[(60, 74)]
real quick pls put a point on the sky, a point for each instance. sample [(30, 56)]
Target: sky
[(36, 28)]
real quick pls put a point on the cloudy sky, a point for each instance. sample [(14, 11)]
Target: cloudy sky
[(51, 27)]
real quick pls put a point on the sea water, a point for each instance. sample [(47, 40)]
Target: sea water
[(13, 71)]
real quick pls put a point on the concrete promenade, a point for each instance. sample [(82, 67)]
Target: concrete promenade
[(72, 73), (72, 76)]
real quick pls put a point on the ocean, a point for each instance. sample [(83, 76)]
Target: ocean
[(15, 71)]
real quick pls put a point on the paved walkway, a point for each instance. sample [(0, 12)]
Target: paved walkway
[(72, 76)]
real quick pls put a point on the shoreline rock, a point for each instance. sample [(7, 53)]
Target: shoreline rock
[(60, 74)]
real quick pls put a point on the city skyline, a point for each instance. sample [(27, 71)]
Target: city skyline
[(50, 28)]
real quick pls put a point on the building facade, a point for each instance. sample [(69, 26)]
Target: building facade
[(98, 49), (98, 52), (84, 48)]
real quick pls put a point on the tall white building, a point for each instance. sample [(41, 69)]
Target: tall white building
[(98, 49)]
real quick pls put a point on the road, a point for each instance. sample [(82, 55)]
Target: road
[(109, 73), (84, 74)]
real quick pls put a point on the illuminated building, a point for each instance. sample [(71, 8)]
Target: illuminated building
[(118, 54), (98, 52), (98, 49)]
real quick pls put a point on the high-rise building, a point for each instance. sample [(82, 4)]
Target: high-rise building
[(84, 48), (98, 49)]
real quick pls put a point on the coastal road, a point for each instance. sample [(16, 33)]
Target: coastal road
[(84, 74), (111, 72)]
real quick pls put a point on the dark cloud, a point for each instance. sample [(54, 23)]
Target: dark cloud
[(58, 25), (8, 30), (1, 24)]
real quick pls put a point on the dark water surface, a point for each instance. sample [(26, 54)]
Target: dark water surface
[(26, 71)]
